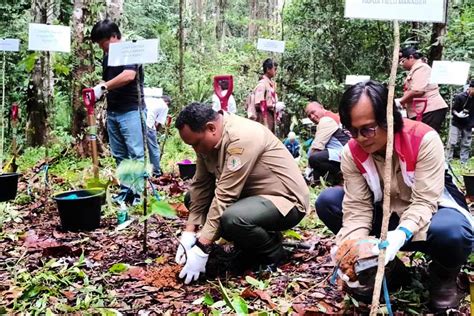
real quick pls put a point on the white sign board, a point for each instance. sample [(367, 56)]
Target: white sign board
[(134, 52), (50, 38), (353, 79), (449, 72), (271, 45), (404, 10), (9, 45), (153, 92)]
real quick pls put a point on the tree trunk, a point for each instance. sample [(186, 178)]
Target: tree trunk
[(40, 86), (181, 48), (438, 33), (220, 21), (115, 10), (252, 30)]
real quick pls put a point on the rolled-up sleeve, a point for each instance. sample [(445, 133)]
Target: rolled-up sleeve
[(357, 205), (202, 193), (234, 175), (429, 184), (326, 128)]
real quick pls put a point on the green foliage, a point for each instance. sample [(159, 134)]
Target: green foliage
[(118, 268), (259, 285), (131, 173)]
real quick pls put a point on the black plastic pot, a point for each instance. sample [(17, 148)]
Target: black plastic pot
[(469, 183), (187, 170), (8, 186), (80, 210)]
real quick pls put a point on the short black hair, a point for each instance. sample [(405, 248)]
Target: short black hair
[(166, 98), (268, 64), (378, 95), (411, 51), (105, 29), (196, 116)]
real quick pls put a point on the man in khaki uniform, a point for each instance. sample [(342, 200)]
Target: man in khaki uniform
[(326, 148), (429, 213), (265, 97), (417, 86), (247, 187)]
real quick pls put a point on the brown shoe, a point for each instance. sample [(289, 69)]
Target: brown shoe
[(444, 291)]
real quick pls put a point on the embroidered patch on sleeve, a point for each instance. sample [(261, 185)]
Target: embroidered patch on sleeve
[(234, 163), (235, 151)]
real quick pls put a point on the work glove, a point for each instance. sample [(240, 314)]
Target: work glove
[(99, 91), (280, 106), (461, 114), (187, 240), (398, 104), (395, 239), (342, 275), (195, 264)]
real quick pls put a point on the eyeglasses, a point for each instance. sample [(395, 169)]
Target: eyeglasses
[(367, 132)]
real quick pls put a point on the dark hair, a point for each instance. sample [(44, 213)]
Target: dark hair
[(224, 84), (196, 116), (104, 30), (268, 64), (378, 95), (411, 51), (166, 98)]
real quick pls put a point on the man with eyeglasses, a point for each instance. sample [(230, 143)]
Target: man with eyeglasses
[(428, 213), (324, 155), (418, 88)]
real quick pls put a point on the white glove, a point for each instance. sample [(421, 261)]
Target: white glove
[(461, 114), (99, 91), (187, 240), (195, 264), (398, 103), (396, 239), (280, 106)]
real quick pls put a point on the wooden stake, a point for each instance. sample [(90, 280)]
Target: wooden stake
[(388, 170), (2, 111)]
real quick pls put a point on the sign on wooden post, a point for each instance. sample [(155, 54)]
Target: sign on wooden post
[(49, 38), (402, 10), (133, 52), (449, 72), (9, 44), (353, 79), (271, 45)]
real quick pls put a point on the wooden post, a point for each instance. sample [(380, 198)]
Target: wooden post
[(388, 169), (2, 111)]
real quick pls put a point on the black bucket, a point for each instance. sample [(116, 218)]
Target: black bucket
[(469, 183), (187, 170), (8, 186), (80, 210)]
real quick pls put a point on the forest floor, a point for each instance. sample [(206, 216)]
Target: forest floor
[(45, 270)]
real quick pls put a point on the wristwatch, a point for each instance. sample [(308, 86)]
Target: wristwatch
[(205, 248)]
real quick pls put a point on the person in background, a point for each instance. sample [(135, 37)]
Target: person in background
[(247, 189), (428, 212), (122, 84), (417, 85), (216, 103), (292, 145), (157, 111), (462, 124), (265, 96), (326, 148)]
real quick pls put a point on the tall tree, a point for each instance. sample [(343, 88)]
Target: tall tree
[(40, 88), (115, 10), (438, 32), (181, 48)]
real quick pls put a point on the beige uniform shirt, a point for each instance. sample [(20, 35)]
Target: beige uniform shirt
[(269, 86), (324, 131), (415, 206), (249, 161), (418, 80)]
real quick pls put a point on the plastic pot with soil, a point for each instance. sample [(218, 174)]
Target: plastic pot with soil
[(187, 169), (80, 209), (8, 185)]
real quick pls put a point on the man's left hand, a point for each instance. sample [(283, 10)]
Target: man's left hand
[(396, 239), (195, 264)]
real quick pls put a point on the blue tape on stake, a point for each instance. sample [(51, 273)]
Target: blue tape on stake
[(386, 296)]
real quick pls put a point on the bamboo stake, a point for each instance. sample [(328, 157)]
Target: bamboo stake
[(388, 170), (2, 137)]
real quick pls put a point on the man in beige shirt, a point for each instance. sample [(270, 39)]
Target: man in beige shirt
[(247, 188), (429, 214), (324, 155), (417, 85)]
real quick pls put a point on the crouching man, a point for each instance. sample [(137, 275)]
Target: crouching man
[(429, 214), (246, 189)]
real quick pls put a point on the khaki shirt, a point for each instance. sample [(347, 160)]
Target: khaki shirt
[(269, 86), (249, 161), (324, 131), (418, 80), (415, 206)]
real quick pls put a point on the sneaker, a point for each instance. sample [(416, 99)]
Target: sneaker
[(136, 200), (119, 198)]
